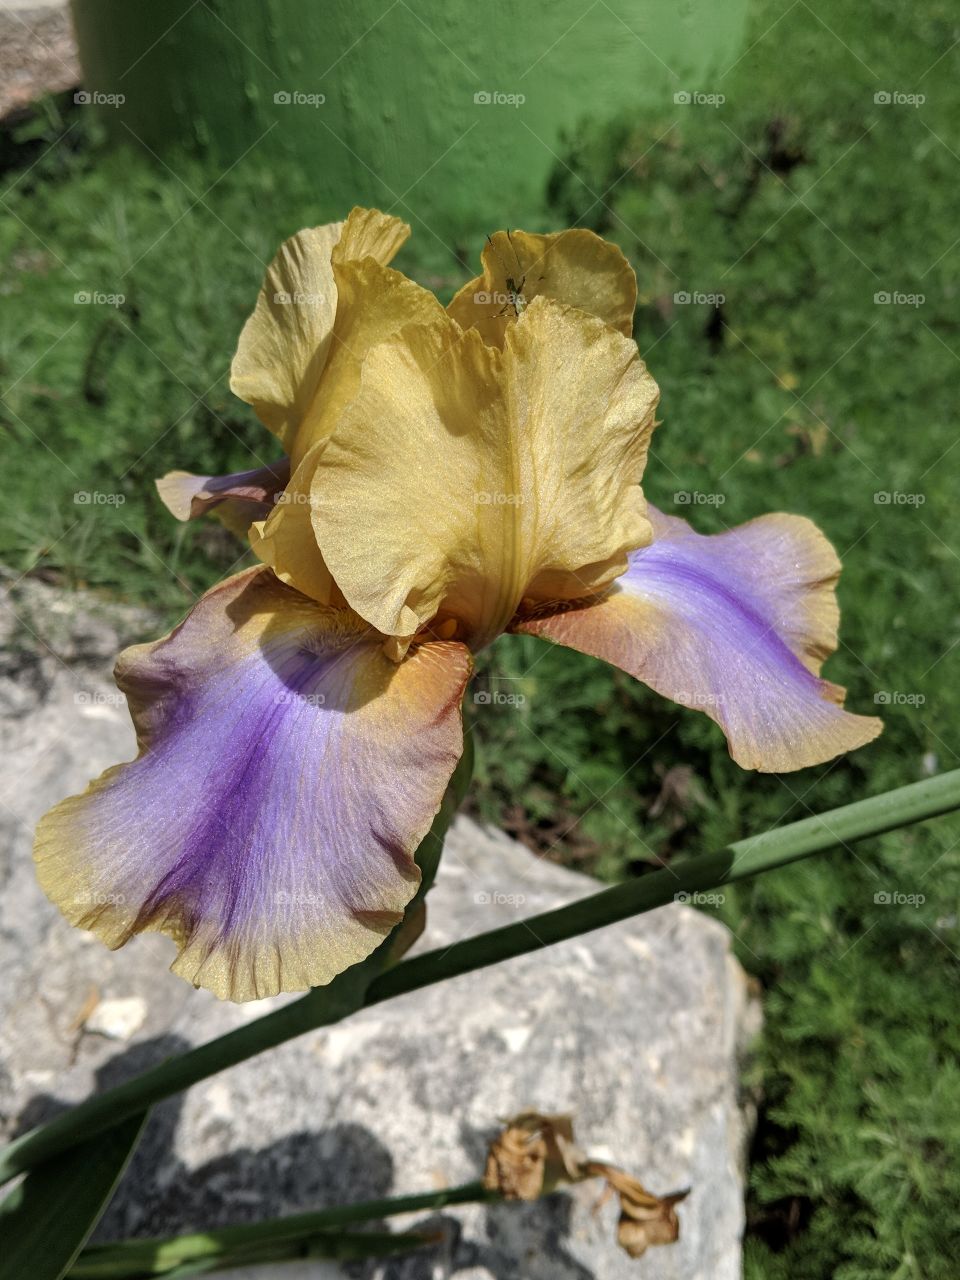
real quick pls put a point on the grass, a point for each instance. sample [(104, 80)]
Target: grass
[(799, 199)]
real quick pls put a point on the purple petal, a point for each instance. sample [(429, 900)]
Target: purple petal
[(287, 772), (236, 499), (735, 625)]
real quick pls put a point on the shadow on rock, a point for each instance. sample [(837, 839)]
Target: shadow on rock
[(521, 1240), (162, 1195)]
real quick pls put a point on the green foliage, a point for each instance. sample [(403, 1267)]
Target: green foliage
[(48, 1216), (798, 199)]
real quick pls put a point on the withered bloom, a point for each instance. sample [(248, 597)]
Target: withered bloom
[(534, 1154)]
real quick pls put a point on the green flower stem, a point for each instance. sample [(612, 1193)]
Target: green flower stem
[(159, 1257), (369, 984), (739, 861)]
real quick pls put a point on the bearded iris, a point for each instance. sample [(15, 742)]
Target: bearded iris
[(449, 474)]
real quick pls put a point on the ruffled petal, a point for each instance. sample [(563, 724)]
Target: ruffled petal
[(368, 233), (236, 500), (573, 267), (374, 303), (736, 625), (461, 478), (287, 773), (284, 345)]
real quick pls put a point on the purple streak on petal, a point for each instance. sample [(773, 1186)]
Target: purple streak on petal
[(251, 494), (735, 625), (287, 772)]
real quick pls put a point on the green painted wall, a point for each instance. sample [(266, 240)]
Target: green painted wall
[(399, 125)]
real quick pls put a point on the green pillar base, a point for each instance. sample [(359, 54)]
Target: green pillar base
[(452, 115)]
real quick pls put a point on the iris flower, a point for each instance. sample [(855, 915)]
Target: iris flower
[(449, 474)]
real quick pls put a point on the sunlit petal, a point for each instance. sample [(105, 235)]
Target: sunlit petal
[(374, 302), (736, 625), (284, 345), (573, 267), (462, 478), (285, 539), (287, 773)]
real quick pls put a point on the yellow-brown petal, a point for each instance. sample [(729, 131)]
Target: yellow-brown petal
[(374, 302), (465, 478), (575, 267), (284, 344), (286, 542)]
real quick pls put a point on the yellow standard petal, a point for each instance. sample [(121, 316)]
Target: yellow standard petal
[(462, 479), (285, 541), (374, 303), (285, 343), (574, 267)]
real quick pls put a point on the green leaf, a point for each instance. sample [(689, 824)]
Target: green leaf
[(47, 1218), (316, 1234), (137, 1260)]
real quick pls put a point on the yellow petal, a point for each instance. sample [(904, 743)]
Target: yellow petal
[(286, 541), (574, 267), (462, 479), (284, 344), (374, 303), (368, 233)]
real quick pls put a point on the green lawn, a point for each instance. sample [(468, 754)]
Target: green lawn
[(799, 199)]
